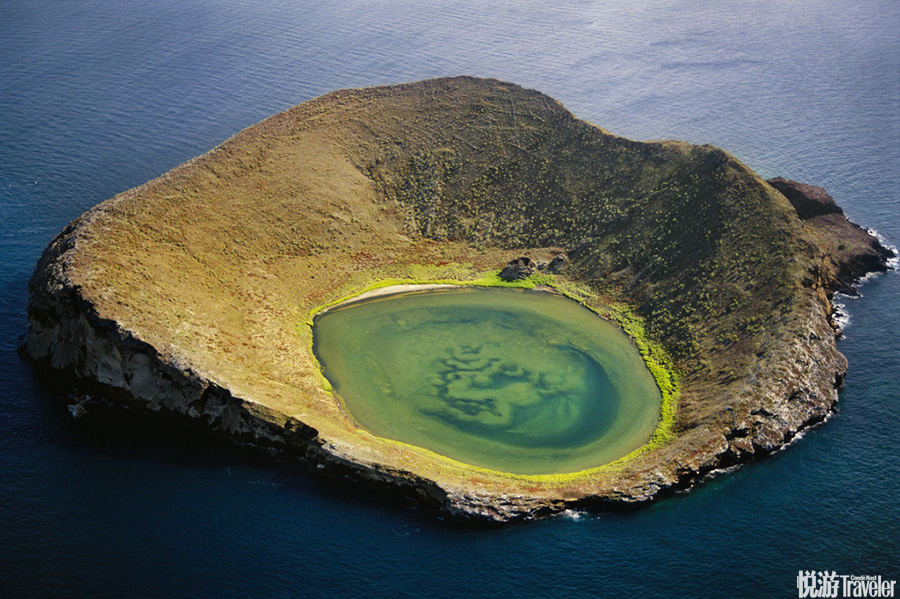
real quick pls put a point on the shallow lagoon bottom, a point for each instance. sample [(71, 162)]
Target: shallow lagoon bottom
[(518, 381)]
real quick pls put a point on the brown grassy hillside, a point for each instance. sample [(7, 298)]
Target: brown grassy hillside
[(218, 264)]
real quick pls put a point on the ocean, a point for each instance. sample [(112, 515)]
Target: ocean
[(98, 96)]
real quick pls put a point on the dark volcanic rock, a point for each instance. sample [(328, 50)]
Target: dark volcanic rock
[(850, 252), (557, 265), (807, 200), (518, 269)]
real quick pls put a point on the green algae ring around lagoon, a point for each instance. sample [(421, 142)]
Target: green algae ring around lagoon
[(516, 381)]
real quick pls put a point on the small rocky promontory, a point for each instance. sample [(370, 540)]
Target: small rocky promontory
[(807, 200), (192, 295), (848, 252)]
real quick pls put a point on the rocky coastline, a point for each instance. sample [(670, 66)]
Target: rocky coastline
[(789, 382)]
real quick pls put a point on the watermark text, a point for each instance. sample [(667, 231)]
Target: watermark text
[(811, 583)]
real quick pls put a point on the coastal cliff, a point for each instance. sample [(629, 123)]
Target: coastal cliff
[(190, 294)]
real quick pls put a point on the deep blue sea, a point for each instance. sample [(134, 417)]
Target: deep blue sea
[(97, 96)]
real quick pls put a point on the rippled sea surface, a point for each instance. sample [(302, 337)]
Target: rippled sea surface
[(98, 96)]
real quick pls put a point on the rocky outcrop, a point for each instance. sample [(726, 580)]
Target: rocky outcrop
[(521, 268), (557, 265), (853, 252), (847, 251), (518, 269), (807, 200)]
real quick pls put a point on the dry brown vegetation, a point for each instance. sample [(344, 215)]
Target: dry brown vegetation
[(218, 263)]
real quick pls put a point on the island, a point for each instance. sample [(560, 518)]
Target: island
[(193, 295)]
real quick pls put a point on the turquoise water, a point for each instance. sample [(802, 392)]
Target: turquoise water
[(97, 96), (518, 381)]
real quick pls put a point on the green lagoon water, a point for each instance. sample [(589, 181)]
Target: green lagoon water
[(512, 380)]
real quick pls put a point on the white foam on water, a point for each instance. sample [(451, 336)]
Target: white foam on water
[(841, 314), (892, 263)]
